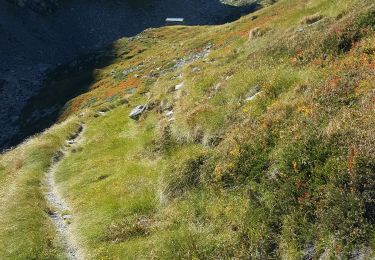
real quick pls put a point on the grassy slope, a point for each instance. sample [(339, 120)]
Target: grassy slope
[(26, 231), (287, 173)]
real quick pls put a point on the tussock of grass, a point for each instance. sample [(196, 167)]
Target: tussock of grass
[(129, 227), (312, 19), (185, 175)]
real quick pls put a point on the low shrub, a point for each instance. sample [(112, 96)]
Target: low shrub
[(341, 40)]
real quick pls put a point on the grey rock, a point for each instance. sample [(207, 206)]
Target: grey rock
[(136, 113), (253, 93)]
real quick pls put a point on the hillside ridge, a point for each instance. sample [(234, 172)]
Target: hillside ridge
[(256, 142)]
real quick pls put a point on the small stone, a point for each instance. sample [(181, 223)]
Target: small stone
[(71, 142), (101, 113), (301, 29), (65, 217), (179, 86), (168, 114), (253, 93), (137, 112), (250, 98)]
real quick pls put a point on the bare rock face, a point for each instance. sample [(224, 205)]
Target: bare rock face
[(39, 6)]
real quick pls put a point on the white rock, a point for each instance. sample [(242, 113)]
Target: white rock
[(179, 86), (169, 113), (65, 217)]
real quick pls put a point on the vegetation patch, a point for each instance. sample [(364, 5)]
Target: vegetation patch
[(129, 227)]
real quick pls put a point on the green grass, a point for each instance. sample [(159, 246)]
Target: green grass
[(112, 161), (26, 231), (272, 178)]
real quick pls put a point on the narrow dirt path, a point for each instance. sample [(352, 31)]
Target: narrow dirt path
[(60, 212)]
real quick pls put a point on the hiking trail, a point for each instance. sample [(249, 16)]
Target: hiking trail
[(60, 213)]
